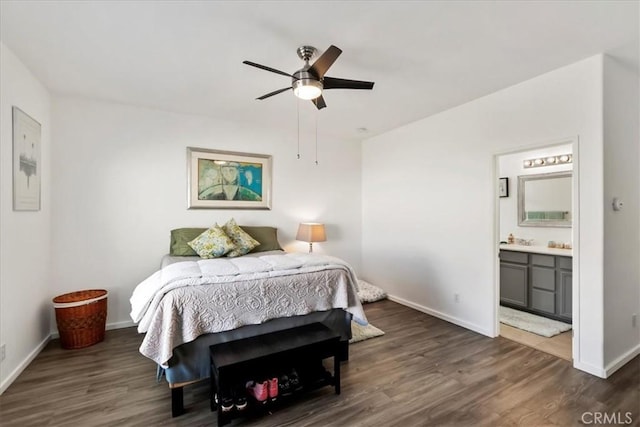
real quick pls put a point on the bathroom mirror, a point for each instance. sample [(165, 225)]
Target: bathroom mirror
[(544, 200)]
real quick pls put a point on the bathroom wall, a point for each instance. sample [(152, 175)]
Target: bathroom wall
[(511, 166)]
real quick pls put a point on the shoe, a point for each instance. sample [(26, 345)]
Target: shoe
[(294, 381), (240, 399), (259, 390), (273, 388), (284, 387), (224, 403)]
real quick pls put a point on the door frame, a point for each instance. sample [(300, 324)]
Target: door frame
[(575, 234)]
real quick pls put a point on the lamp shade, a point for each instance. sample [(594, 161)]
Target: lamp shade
[(311, 232), (307, 88)]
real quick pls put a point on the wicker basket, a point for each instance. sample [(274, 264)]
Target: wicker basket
[(81, 317)]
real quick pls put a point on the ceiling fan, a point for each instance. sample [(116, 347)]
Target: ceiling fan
[(309, 81)]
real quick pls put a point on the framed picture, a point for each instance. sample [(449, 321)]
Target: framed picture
[(228, 180), (27, 168), (503, 187)]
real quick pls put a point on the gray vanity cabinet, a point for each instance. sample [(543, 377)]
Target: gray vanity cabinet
[(543, 283), (514, 278), (538, 283), (565, 282)]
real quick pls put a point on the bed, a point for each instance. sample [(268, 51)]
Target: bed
[(192, 303)]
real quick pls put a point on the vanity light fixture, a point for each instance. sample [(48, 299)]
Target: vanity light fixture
[(548, 161)]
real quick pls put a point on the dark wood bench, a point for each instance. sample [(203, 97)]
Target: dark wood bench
[(235, 362)]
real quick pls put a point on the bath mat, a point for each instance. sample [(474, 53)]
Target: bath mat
[(530, 322)]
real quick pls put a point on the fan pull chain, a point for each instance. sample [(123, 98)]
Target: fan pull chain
[(298, 104), (317, 114)]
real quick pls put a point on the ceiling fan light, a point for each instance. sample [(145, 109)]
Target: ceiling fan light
[(307, 88)]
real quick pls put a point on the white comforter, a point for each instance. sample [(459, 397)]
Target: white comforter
[(186, 299)]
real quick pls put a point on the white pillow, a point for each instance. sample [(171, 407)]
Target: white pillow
[(369, 292)]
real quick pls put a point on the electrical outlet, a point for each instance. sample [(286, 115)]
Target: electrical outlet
[(456, 297), (634, 320), (3, 352)]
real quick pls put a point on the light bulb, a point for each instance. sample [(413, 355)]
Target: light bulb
[(307, 88)]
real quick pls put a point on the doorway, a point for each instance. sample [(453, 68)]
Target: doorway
[(536, 222)]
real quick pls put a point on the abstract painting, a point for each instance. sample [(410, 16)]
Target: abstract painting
[(228, 180)]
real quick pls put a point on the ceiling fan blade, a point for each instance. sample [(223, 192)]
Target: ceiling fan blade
[(275, 92), (264, 67), (319, 102), (325, 61), (334, 83)]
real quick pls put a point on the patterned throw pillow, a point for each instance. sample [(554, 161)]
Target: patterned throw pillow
[(243, 242), (213, 243)]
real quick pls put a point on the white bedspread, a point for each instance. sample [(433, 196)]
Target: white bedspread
[(187, 299)]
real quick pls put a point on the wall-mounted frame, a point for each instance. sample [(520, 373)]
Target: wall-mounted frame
[(545, 200), (503, 187), (227, 180), (27, 168)]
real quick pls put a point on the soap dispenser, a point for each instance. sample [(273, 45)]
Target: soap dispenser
[(510, 239)]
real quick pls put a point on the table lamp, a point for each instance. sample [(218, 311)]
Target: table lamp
[(311, 232)]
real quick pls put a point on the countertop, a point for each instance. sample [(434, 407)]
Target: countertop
[(537, 249)]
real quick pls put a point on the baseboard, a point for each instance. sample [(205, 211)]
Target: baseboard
[(439, 315), (109, 326), (621, 361), (23, 365), (120, 325), (590, 369)]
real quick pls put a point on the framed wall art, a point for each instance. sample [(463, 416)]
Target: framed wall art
[(503, 187), (27, 167), (228, 180)]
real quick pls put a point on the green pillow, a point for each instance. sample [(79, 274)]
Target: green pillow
[(213, 243), (242, 241), (267, 236), (180, 237)]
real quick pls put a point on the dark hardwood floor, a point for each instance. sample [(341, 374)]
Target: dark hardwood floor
[(423, 372)]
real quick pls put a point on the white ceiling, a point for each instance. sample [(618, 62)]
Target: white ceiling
[(425, 57)]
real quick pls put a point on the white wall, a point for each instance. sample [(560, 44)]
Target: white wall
[(511, 166), (25, 262), (621, 229), (429, 192), (120, 184)]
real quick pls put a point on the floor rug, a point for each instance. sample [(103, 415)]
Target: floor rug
[(530, 322), (361, 333)]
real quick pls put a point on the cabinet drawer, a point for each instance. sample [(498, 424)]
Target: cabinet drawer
[(543, 260), (517, 257), (543, 301), (565, 262), (543, 278)]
